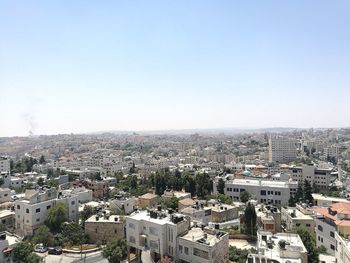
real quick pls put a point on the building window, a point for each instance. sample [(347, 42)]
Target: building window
[(132, 239), (73, 202), (38, 219), (37, 210), (308, 225), (262, 192), (331, 233), (186, 250), (48, 207), (200, 253), (320, 228), (18, 207), (332, 247), (27, 211), (180, 248)]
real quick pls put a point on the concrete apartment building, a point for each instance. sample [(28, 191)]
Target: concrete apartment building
[(156, 231), (99, 188), (298, 216), (4, 164), (282, 150), (104, 228), (222, 212), (5, 195), (342, 252), (199, 214), (279, 247), (329, 221), (268, 218), (31, 211), (147, 200), (264, 191), (201, 245), (321, 177), (122, 204), (321, 200)]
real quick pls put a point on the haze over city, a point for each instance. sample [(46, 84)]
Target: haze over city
[(88, 66)]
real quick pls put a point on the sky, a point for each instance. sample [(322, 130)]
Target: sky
[(86, 66)]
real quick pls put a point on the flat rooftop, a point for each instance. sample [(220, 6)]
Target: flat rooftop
[(104, 219), (201, 236), (145, 215), (268, 183), (298, 215)]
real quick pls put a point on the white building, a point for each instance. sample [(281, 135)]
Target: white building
[(280, 247), (6, 176), (298, 216), (122, 204), (329, 221), (321, 177), (203, 246), (31, 212), (156, 231), (342, 253), (282, 149), (264, 191), (83, 194)]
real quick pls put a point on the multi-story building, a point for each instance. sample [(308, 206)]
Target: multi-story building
[(32, 211), (329, 220), (147, 200), (202, 245), (298, 216), (99, 188), (222, 212), (5, 164), (6, 176), (321, 200), (342, 252), (104, 228), (7, 218), (268, 218), (321, 177), (122, 204), (156, 231), (199, 214), (83, 194), (279, 247), (5, 195), (282, 149), (264, 191)]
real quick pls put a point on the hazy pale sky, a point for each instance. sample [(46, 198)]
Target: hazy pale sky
[(82, 66)]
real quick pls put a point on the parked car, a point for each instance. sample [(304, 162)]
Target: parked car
[(40, 248), (54, 251)]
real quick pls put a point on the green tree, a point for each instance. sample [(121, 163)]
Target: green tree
[(221, 186), (309, 241), (73, 234), (87, 212), (42, 159), (291, 201), (224, 199), (23, 253), (172, 202), (299, 195), (56, 216), (115, 251), (308, 193), (190, 184), (133, 182), (43, 235), (244, 196), (40, 181), (250, 220), (203, 185)]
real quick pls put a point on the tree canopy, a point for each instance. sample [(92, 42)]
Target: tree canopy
[(56, 216), (23, 253), (115, 251)]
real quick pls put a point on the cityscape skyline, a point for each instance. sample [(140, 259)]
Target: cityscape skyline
[(87, 67)]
